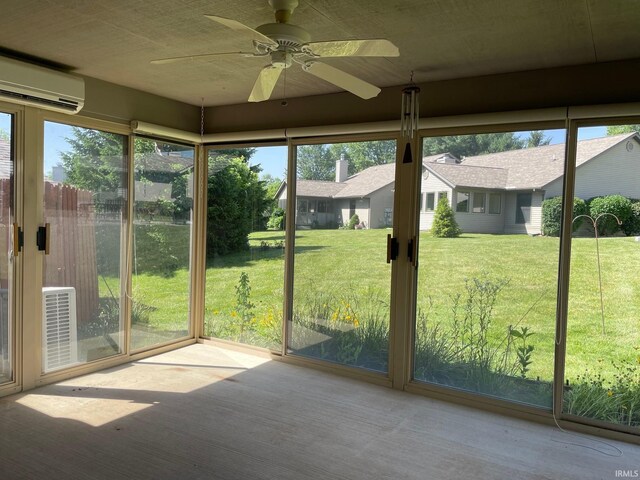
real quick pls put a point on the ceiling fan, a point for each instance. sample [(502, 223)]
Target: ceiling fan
[(285, 44)]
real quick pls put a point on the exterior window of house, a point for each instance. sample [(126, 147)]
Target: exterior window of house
[(352, 208), (442, 195), (462, 204), (323, 206), (495, 203), (523, 208), (303, 205), (478, 202), (431, 199)]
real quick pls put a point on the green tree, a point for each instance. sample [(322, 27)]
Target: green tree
[(236, 204), (94, 161), (362, 155), (619, 129), (444, 222), (315, 162), (537, 138), (4, 135), (470, 145)]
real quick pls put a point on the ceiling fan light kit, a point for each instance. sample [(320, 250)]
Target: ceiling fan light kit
[(286, 43)]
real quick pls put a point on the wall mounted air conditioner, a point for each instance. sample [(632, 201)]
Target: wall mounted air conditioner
[(40, 87), (59, 328)]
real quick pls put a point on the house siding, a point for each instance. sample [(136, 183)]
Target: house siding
[(378, 202), (431, 183), (480, 222), (616, 171)]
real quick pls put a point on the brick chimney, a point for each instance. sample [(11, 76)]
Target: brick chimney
[(342, 168)]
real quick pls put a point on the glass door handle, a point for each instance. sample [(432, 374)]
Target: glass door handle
[(18, 239), (43, 238)]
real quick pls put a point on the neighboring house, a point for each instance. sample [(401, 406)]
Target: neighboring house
[(368, 193), (503, 192), (492, 193)]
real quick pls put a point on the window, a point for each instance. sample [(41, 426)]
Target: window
[(523, 208), (431, 198), (323, 206), (478, 202), (489, 328), (303, 205), (162, 219), (245, 249), (86, 210), (442, 195), (6, 273), (340, 305), (495, 203), (463, 202)]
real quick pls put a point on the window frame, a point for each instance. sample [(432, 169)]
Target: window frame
[(466, 201)]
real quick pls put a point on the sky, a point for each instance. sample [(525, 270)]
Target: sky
[(273, 160)]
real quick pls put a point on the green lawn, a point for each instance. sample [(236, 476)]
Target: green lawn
[(334, 266)]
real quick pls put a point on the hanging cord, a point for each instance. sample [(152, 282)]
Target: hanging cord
[(202, 120), (616, 454)]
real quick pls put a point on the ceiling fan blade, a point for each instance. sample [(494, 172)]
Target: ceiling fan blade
[(265, 84), (342, 79), (204, 56), (355, 48), (241, 27)]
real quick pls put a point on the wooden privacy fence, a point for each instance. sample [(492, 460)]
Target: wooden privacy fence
[(72, 260)]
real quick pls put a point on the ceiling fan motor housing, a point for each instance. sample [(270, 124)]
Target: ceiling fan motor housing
[(285, 35)]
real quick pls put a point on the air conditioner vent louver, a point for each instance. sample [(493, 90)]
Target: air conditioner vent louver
[(31, 100), (28, 84), (59, 327)]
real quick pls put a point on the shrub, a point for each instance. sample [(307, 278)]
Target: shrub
[(605, 207), (444, 222), (632, 225), (552, 215), (276, 220), (353, 221)]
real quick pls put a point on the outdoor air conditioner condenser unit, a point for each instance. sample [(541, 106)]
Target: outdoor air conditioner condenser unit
[(36, 86), (59, 328)]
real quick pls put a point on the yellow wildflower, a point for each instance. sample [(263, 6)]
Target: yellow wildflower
[(234, 314), (610, 393), (356, 322)]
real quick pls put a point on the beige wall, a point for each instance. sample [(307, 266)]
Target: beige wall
[(610, 82), (107, 101)]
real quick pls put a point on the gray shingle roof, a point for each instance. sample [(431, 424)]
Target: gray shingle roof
[(526, 168), (523, 169), (317, 188), (368, 181), (470, 176)]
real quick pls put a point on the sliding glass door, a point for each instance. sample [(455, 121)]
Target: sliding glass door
[(85, 207), (6, 247), (343, 211), (603, 331), (488, 275)]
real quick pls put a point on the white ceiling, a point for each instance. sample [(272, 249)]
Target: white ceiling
[(114, 40)]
